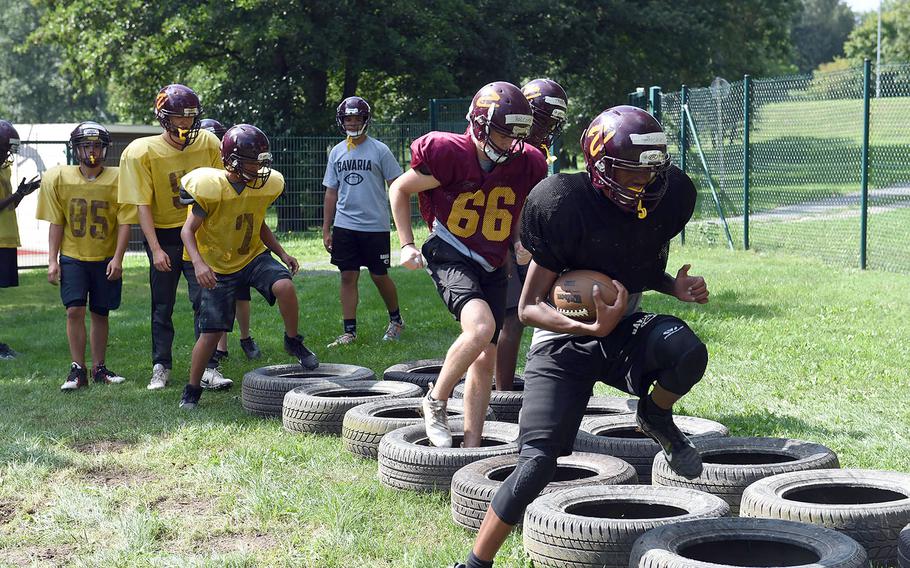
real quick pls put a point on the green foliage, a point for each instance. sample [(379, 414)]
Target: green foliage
[(895, 35), (819, 31)]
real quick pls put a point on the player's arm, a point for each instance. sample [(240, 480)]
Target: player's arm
[(160, 259), (683, 287), (269, 240), (534, 310), (25, 188), (328, 215), (407, 184), (522, 255), (115, 266), (204, 274), (54, 238)]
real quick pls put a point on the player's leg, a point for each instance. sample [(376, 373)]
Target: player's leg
[(247, 343), (512, 330), (104, 296), (74, 287), (9, 278), (346, 256), (212, 379), (377, 252), (164, 295), (214, 316)]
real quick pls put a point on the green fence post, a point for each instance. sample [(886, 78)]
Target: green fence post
[(864, 203), (654, 101), (683, 143), (747, 103), (434, 115)]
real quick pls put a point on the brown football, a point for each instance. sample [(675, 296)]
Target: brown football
[(572, 293)]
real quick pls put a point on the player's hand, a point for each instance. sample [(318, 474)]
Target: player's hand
[(53, 272), (161, 261), (27, 187), (291, 263), (327, 241), (114, 269), (609, 315), (690, 288), (411, 257), (204, 275), (522, 255)]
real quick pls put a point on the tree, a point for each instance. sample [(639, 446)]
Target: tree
[(895, 35), (819, 31)]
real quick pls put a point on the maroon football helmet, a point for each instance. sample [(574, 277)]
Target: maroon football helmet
[(353, 106), (245, 153), (213, 126), (626, 142), (178, 100), (548, 105), (9, 142), (90, 132), (500, 106)]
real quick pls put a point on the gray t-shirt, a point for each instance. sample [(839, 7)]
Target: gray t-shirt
[(360, 175)]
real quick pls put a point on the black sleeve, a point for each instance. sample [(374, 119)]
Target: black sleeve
[(539, 218)]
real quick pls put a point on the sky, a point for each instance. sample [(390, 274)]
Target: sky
[(863, 5)]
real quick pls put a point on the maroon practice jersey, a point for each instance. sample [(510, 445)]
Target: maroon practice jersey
[(480, 208)]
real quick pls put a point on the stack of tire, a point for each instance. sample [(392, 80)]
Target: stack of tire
[(421, 372), (263, 390), (506, 405)]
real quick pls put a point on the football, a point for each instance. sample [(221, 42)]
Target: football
[(572, 293)]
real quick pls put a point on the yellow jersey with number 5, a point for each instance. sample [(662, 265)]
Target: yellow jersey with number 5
[(229, 236), (150, 172), (87, 209)]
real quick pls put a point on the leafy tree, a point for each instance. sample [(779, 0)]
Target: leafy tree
[(895, 35), (819, 31)]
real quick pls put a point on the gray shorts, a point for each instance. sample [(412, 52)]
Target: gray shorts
[(217, 306)]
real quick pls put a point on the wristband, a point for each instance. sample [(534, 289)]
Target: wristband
[(407, 244)]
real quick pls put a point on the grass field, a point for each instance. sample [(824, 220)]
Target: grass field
[(119, 476)]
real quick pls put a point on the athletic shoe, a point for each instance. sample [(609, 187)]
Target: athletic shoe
[(160, 377), (190, 397), (77, 379), (294, 346), (220, 356), (393, 332), (436, 420), (212, 379), (102, 374), (345, 338), (250, 349), (6, 353), (681, 455)]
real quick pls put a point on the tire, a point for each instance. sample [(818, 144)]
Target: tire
[(903, 548), (506, 405), (365, 425), (408, 462), (263, 390), (321, 407), (474, 485), (732, 464), (620, 437), (596, 526), (610, 406), (421, 372), (870, 506), (745, 542)]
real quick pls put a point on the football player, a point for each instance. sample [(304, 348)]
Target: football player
[(150, 172), (616, 218), (229, 243), (355, 225), (88, 236), (471, 190), (548, 106), (9, 228), (247, 343)]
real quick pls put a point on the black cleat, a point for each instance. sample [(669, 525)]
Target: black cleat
[(190, 397), (682, 456), (6, 352), (250, 349), (294, 346), (220, 355)]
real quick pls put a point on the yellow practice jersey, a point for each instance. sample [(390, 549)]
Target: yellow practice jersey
[(87, 209), (150, 172), (9, 228), (229, 236)]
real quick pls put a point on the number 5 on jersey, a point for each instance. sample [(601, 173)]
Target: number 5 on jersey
[(466, 214)]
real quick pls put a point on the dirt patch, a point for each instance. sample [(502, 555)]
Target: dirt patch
[(183, 506), (43, 555), (98, 447), (224, 543), (7, 510), (115, 476)]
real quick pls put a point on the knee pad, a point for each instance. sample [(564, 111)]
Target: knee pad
[(677, 355), (535, 469)]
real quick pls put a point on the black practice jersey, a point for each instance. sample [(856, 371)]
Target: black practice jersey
[(567, 224)]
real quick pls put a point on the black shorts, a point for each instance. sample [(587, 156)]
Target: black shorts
[(561, 373), (217, 306), (84, 282), (459, 279), (517, 276), (353, 249), (9, 268)]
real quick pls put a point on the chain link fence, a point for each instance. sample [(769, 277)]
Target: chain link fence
[(798, 185)]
